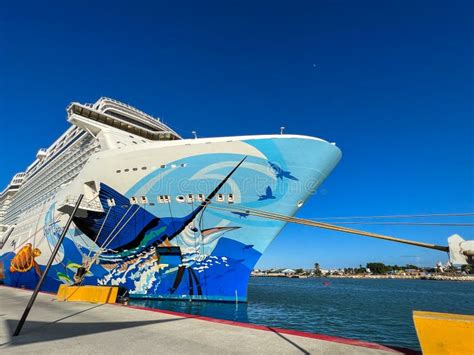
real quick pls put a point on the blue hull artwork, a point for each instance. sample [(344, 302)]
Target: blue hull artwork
[(161, 239)]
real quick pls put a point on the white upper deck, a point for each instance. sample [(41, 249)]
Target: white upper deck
[(112, 113), (64, 159)]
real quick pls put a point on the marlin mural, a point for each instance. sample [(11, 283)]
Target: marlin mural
[(125, 233), (124, 229)]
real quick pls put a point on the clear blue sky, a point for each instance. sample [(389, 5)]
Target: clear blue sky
[(390, 81)]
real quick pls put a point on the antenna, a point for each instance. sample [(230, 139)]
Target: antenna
[(282, 129), (194, 134)]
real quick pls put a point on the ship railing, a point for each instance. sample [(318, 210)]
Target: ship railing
[(131, 108), (134, 128), (143, 115), (90, 205), (106, 102)]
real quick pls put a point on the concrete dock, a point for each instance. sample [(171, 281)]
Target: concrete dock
[(64, 327)]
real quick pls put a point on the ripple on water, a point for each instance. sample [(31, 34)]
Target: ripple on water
[(372, 310)]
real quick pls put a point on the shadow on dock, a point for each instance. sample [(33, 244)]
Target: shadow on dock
[(38, 332), (304, 351)]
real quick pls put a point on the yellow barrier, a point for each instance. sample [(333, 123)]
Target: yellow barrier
[(94, 294), (444, 333)]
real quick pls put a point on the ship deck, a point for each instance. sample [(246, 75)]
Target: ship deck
[(55, 327)]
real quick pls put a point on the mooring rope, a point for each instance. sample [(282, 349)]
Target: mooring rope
[(440, 224), (398, 216), (104, 246), (288, 219), (100, 231)]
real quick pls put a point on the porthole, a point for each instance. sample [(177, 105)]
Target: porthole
[(133, 200), (134, 169), (200, 197), (180, 198), (230, 198), (144, 200), (164, 198), (190, 198), (300, 203), (220, 197), (163, 166), (183, 165), (118, 171), (127, 170), (144, 168)]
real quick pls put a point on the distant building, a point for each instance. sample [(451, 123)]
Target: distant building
[(288, 271)]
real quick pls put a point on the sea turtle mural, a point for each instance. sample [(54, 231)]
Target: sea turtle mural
[(24, 260)]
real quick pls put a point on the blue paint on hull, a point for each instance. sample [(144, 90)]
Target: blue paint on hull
[(217, 249)]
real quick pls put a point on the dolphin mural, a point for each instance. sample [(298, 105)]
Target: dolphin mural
[(280, 173), (241, 214), (268, 195)]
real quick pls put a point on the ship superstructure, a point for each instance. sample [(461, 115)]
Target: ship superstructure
[(6, 196), (144, 222)]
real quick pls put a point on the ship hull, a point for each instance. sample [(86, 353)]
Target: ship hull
[(212, 255)]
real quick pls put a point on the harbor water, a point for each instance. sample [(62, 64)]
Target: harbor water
[(375, 310)]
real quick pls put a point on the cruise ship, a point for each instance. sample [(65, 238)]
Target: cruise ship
[(146, 221)]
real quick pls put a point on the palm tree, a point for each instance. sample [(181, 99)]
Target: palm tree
[(317, 269)]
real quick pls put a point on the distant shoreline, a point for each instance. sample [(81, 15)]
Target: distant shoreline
[(469, 278)]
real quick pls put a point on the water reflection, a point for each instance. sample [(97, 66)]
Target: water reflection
[(223, 310)]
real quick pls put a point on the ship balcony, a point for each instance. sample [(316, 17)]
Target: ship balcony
[(86, 206), (92, 120)]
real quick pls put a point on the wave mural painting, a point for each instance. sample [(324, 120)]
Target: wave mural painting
[(145, 223)]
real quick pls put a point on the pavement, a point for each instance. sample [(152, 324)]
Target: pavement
[(71, 327)]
